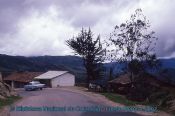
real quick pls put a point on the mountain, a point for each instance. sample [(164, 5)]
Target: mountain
[(16, 63), (73, 64), (166, 71), (40, 63), (168, 63)]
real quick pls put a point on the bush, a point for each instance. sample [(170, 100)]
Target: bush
[(166, 101), (136, 95), (158, 95), (8, 101), (141, 91)]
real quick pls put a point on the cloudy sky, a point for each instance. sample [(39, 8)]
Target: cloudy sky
[(40, 27)]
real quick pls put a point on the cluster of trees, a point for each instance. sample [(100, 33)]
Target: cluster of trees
[(133, 43)]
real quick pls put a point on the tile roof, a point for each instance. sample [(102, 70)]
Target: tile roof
[(123, 79), (22, 76)]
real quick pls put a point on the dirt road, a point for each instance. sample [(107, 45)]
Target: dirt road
[(60, 102)]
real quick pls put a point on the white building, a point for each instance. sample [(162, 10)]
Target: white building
[(56, 78)]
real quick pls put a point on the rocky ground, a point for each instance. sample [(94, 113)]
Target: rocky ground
[(5, 91)]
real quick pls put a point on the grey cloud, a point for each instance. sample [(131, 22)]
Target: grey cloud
[(165, 45), (166, 35), (98, 14), (10, 11), (73, 10)]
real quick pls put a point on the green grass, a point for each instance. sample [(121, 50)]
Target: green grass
[(8, 101), (122, 99)]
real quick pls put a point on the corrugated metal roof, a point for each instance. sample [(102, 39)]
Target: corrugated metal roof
[(50, 74)]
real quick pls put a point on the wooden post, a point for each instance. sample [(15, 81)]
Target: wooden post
[(12, 84), (1, 77)]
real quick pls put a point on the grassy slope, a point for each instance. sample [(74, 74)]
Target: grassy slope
[(8, 101), (121, 99)]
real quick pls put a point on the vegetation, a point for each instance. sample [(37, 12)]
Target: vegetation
[(134, 44), (122, 99), (160, 99), (164, 99), (90, 50), (8, 101)]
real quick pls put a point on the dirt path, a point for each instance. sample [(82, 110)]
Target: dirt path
[(63, 97), (102, 98), (67, 96)]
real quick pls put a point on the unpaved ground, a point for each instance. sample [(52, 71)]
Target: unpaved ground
[(67, 96), (4, 112), (98, 97)]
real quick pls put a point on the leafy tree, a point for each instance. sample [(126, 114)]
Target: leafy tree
[(135, 44), (90, 50)]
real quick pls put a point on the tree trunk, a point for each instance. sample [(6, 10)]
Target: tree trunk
[(132, 79)]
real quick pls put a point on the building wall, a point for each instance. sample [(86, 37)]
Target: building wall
[(15, 84), (66, 79), (47, 82)]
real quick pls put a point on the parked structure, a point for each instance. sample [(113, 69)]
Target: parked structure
[(56, 78), (19, 79), (120, 84)]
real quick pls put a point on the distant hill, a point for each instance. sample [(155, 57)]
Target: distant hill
[(73, 64), (40, 63), (168, 63), (166, 71)]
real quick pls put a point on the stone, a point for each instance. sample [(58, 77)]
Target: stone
[(2, 97), (13, 93), (4, 90)]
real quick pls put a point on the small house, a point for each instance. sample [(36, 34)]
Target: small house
[(56, 78), (19, 79), (120, 84)]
